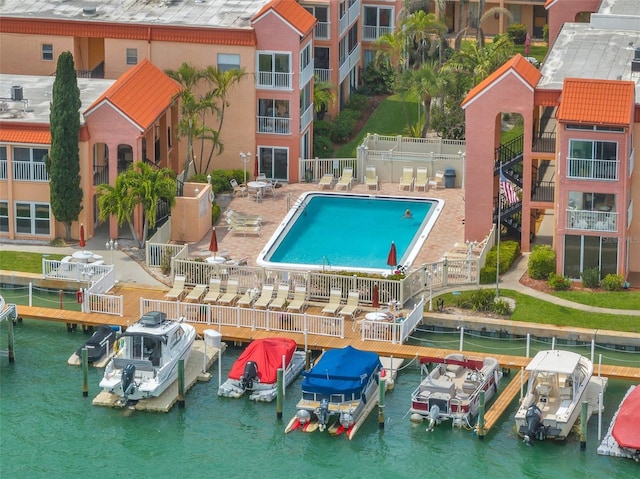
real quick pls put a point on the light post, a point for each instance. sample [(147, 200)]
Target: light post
[(111, 245), (212, 196), (245, 157)]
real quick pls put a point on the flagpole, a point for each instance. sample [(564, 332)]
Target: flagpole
[(498, 252)]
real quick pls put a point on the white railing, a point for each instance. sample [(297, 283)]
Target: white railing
[(3, 169), (306, 74), (157, 253), (630, 213), (30, 171), (306, 118), (322, 30), (274, 125), (593, 169), (104, 303), (631, 162), (349, 63), (323, 74), (349, 16), (395, 332), (276, 80), (592, 220), (373, 32)]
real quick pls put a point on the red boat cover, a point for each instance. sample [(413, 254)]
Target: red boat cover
[(267, 354), (626, 430)]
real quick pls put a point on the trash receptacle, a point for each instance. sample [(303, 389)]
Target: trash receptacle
[(450, 178)]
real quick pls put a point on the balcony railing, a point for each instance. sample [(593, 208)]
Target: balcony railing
[(274, 125), (100, 175), (276, 80), (306, 74), (593, 169), (349, 63), (588, 220), (373, 32), (306, 117), (544, 143), (350, 16), (324, 74), (30, 171), (3, 170), (322, 30)]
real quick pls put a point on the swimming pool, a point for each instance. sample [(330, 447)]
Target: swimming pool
[(329, 231)]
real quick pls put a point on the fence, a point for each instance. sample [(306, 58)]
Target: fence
[(395, 332)]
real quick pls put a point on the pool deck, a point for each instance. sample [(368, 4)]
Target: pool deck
[(447, 231)]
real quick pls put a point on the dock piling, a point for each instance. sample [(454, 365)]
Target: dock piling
[(10, 340), (481, 416), (381, 391), (279, 393), (181, 383), (584, 415), (85, 372)]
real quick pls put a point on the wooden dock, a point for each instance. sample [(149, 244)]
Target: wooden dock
[(502, 402)]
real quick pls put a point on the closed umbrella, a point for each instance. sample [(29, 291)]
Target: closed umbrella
[(82, 241), (527, 44), (375, 300), (256, 167), (213, 244), (392, 258)]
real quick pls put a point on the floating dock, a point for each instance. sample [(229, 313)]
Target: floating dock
[(193, 372), (609, 446)]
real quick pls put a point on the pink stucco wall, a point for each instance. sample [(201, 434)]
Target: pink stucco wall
[(563, 11)]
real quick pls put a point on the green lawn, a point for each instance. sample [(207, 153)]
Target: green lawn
[(603, 299), (24, 262)]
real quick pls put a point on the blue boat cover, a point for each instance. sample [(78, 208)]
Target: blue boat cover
[(341, 371)]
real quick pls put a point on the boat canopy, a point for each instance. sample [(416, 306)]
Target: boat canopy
[(341, 371), (625, 430), (267, 354), (555, 361)]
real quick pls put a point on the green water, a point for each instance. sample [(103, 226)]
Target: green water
[(48, 430)]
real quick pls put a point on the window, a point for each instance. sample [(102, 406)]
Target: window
[(132, 56), (274, 162), (47, 52), (28, 164), (584, 252), (590, 159), (377, 22), (305, 57), (4, 216), (33, 219), (274, 70), (3, 162), (273, 116), (322, 15), (228, 61)]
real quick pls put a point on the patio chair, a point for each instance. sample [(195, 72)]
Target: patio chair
[(335, 296), (178, 290), (422, 179), (346, 180), (214, 292), (352, 308), (197, 293), (240, 227), (437, 181), (231, 294), (241, 218), (299, 302), (247, 298), (266, 295), (371, 178), (326, 181), (238, 189), (406, 181), (281, 297), (271, 187)]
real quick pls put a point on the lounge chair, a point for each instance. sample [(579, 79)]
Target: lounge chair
[(371, 178), (422, 179), (197, 293), (353, 304), (346, 180), (299, 301), (437, 181), (178, 290), (335, 296), (407, 178), (247, 298), (214, 292), (326, 180), (281, 297), (238, 189), (241, 227), (241, 218), (231, 295), (266, 295)]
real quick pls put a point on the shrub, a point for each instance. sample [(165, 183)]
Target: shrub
[(482, 300), (590, 277), (612, 282), (322, 147), (545, 32), (358, 102), (488, 275), (542, 262), (517, 33), (165, 262), (377, 79), (216, 211), (500, 306), (342, 126), (321, 128), (509, 251), (559, 282)]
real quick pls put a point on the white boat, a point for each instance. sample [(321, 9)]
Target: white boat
[(146, 358), (256, 369), (558, 382), (451, 390), (338, 393)]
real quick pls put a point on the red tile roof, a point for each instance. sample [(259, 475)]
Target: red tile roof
[(16, 132), (518, 64), (142, 93), (292, 12), (609, 102)]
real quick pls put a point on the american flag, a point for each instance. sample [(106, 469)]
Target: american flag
[(506, 188)]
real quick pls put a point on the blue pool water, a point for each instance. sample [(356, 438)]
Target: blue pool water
[(348, 231)]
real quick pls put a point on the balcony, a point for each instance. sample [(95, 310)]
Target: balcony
[(593, 169), (373, 32), (322, 30), (100, 175), (350, 16), (274, 125), (306, 117), (3, 170), (544, 143), (275, 80), (30, 171), (588, 220), (323, 74), (349, 63), (306, 74)]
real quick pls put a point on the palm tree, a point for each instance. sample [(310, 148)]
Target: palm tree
[(323, 96), (426, 84), (117, 201), (480, 62)]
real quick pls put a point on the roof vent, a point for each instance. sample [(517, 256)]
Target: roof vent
[(635, 63), (89, 12), (16, 93)]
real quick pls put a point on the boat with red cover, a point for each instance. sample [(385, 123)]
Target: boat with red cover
[(626, 430), (256, 369)]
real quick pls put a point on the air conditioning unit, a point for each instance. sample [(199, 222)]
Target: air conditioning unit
[(16, 93)]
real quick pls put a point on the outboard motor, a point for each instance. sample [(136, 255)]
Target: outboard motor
[(250, 374), (434, 414), (128, 373), (533, 418), (323, 414)]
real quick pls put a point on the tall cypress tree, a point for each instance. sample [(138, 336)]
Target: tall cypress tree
[(63, 162)]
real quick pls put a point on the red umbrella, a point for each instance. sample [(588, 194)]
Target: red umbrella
[(213, 244), (256, 168), (392, 258), (527, 43), (375, 301), (82, 242)]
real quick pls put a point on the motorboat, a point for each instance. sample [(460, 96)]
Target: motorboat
[(626, 428), (256, 369), (99, 344), (146, 357), (558, 382), (451, 389), (338, 392)]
